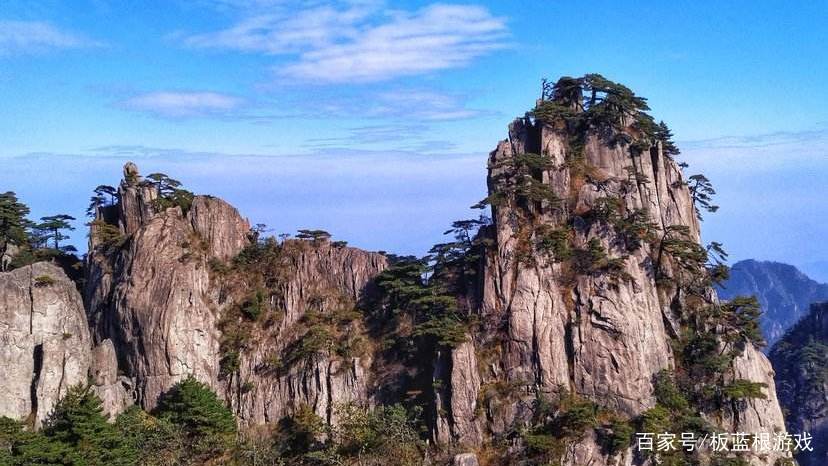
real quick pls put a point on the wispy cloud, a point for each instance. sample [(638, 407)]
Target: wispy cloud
[(373, 134), (779, 138), (27, 37), (423, 104), (355, 42), (174, 104), (411, 105), (761, 152)]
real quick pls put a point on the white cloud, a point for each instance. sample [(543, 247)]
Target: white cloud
[(422, 104), (25, 37), (359, 42), (759, 153), (170, 104)]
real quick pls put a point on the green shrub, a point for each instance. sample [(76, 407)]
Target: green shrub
[(253, 307), (620, 436), (196, 409), (42, 281), (229, 364), (158, 441), (554, 241), (379, 433), (667, 393), (106, 235), (576, 417), (656, 419), (741, 389)]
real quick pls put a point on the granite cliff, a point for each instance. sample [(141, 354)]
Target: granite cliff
[(171, 298), (582, 311), (592, 281), (46, 345)]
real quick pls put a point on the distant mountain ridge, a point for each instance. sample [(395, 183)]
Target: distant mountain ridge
[(784, 292), (800, 360)]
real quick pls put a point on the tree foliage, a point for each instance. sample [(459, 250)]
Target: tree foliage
[(13, 223), (53, 228), (194, 407), (702, 192), (170, 192), (103, 195)]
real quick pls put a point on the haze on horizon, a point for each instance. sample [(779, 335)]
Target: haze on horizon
[(373, 119)]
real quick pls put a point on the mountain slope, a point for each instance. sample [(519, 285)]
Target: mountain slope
[(582, 312), (784, 293), (801, 362)]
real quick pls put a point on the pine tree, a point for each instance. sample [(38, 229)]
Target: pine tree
[(194, 407), (13, 223), (20, 446), (701, 190), (52, 228), (158, 442), (79, 424), (170, 192)]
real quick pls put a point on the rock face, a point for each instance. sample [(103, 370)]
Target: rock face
[(590, 285), (801, 361), (150, 295), (602, 334), (168, 314), (322, 279), (784, 293), (220, 226), (114, 390), (44, 340), (7, 256)]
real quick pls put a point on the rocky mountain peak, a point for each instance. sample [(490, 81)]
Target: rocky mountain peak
[(595, 278), (135, 200), (581, 312), (784, 292)]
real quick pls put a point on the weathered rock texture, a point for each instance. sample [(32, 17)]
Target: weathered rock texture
[(319, 278), (149, 294), (600, 335), (157, 297), (567, 302), (801, 361), (44, 340)]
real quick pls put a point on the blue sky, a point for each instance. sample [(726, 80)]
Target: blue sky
[(373, 119)]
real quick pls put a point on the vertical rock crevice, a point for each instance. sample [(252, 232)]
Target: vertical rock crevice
[(37, 368)]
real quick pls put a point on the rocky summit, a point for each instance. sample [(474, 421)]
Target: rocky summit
[(581, 312)]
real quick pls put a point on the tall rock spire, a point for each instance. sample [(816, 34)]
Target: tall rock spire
[(594, 278)]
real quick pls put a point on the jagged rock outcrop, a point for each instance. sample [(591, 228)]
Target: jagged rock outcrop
[(801, 362), (465, 459), (114, 390), (560, 326), (784, 293), (157, 296), (461, 426), (7, 256), (219, 225), (322, 279), (149, 295), (44, 340)]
